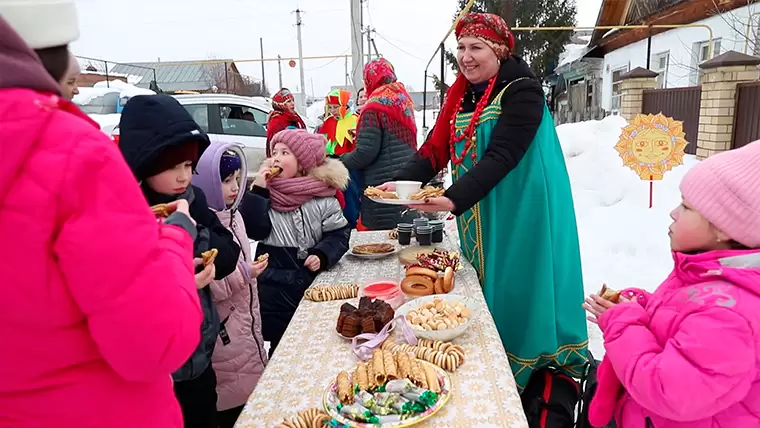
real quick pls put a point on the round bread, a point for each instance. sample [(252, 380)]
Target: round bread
[(417, 285), (448, 279), (439, 286), (418, 270)]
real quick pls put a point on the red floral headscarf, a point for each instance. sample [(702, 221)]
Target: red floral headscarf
[(280, 117), (489, 28), (494, 32), (385, 94)]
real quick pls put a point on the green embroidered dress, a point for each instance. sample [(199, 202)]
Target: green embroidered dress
[(522, 239)]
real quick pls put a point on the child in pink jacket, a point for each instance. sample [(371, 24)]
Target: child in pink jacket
[(99, 304), (239, 357), (688, 354)]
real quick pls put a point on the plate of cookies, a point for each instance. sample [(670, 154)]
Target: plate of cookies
[(390, 390), (441, 317)]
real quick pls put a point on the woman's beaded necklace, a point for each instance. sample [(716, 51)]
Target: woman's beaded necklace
[(469, 132)]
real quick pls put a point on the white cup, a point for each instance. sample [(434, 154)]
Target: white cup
[(405, 189)]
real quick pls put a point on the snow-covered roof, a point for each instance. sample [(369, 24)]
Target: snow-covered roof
[(86, 95), (572, 53)]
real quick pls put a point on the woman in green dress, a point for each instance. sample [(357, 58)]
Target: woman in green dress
[(512, 198)]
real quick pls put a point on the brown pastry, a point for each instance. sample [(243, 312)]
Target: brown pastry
[(428, 192), (418, 285), (262, 257), (609, 294), (370, 317), (380, 248), (162, 210), (209, 256), (374, 192), (274, 172)]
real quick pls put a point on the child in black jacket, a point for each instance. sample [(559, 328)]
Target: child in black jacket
[(162, 144)]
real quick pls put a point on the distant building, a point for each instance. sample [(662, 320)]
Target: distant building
[(197, 76)]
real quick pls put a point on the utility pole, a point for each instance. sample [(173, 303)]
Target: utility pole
[(369, 45), (299, 24), (346, 67), (279, 69), (263, 74), (357, 45)]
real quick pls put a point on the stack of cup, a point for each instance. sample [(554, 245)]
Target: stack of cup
[(405, 233), (424, 235), (420, 221), (437, 236)]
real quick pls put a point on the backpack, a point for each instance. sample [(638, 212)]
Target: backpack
[(588, 388), (550, 399)]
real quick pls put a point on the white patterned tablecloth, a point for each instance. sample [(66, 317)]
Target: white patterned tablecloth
[(311, 354)]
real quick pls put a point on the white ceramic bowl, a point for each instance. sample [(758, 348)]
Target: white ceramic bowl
[(448, 334), (405, 189)]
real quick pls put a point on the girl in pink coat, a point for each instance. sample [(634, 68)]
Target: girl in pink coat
[(99, 302), (688, 354), (239, 356)]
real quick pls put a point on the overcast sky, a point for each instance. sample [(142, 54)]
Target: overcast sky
[(408, 32)]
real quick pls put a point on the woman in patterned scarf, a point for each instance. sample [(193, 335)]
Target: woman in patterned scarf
[(283, 115), (386, 138), (512, 198)]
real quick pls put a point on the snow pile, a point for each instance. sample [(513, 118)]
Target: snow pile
[(126, 90), (107, 122), (571, 53), (623, 242)]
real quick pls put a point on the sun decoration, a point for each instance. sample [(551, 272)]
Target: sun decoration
[(652, 145)]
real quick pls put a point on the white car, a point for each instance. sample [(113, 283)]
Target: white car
[(224, 117), (232, 119)]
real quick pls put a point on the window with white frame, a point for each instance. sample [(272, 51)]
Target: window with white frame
[(700, 53), (617, 83), (660, 65)]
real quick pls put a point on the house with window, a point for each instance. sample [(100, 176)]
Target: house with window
[(576, 82), (697, 30)]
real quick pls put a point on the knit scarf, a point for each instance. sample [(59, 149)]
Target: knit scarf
[(288, 194)]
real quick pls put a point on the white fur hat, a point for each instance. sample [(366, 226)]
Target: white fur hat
[(42, 23)]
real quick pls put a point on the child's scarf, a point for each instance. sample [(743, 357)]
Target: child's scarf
[(287, 194)]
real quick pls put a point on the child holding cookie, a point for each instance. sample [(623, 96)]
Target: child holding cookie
[(687, 355), (298, 221), (239, 357), (161, 144)]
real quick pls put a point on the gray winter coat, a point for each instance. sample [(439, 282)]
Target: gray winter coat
[(378, 155)]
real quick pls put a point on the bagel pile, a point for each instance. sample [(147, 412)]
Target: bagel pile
[(424, 281)]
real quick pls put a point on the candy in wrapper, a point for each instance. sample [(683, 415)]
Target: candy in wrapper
[(391, 400), (400, 386), (413, 407), (345, 391), (365, 399), (423, 396), (388, 419), (358, 413)]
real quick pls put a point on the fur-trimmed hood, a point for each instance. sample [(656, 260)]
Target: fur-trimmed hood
[(332, 172)]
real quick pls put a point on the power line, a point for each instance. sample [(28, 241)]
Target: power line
[(402, 50), (339, 56)]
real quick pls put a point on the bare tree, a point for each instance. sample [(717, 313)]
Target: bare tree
[(744, 31), (222, 77)]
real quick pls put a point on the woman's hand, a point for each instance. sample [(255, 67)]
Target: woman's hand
[(205, 276), (596, 306), (438, 204), (312, 263), (182, 206), (256, 268), (387, 187)]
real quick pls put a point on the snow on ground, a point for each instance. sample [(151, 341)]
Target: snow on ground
[(623, 242)]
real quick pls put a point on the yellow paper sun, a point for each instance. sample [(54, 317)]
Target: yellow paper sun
[(652, 145)]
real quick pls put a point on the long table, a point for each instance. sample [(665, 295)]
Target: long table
[(311, 354)]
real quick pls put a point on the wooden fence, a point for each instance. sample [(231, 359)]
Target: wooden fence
[(747, 114)]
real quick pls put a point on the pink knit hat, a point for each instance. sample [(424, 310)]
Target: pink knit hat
[(308, 148), (725, 189)]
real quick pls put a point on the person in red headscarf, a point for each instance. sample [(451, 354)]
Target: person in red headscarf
[(283, 115), (386, 138), (512, 198)]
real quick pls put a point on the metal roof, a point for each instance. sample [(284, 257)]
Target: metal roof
[(170, 75)]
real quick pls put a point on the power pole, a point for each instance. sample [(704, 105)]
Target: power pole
[(263, 74), (346, 67), (279, 69), (369, 45), (357, 45), (299, 23)]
